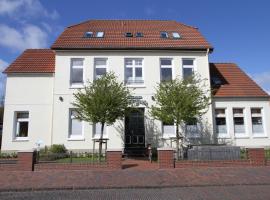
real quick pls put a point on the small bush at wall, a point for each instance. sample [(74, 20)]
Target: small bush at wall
[(8, 155), (58, 148)]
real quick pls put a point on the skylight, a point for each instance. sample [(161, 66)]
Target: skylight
[(128, 34), (164, 35), (175, 35), (88, 34), (216, 80), (139, 34), (100, 34)]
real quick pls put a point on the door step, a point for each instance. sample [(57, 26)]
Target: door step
[(135, 152)]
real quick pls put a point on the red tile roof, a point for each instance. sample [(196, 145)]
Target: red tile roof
[(33, 61), (234, 82), (114, 37)]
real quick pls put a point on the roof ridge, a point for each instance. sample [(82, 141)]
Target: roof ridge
[(223, 63)]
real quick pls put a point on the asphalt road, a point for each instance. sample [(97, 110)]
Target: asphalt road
[(244, 192)]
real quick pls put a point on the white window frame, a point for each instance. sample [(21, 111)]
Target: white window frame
[(100, 66), (17, 125), (100, 34), (222, 135), (70, 136), (257, 134), (166, 66), (193, 67), (97, 136), (77, 85), (240, 135), (168, 135), (134, 66)]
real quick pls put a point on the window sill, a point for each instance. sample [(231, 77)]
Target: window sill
[(76, 139), (242, 137), (25, 139), (76, 86), (223, 136), (259, 136)]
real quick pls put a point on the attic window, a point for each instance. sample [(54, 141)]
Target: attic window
[(88, 34), (139, 34), (164, 35), (175, 35), (216, 80), (100, 34), (128, 34)]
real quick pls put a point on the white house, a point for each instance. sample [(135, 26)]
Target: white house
[(41, 83)]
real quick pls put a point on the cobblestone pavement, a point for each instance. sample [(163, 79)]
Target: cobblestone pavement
[(257, 192), (130, 178)]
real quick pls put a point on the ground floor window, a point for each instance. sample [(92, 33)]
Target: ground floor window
[(239, 121), (22, 124), (257, 121), (192, 129), (168, 129), (221, 125), (97, 130), (75, 125)]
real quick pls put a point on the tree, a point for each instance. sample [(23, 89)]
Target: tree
[(103, 101), (179, 101)]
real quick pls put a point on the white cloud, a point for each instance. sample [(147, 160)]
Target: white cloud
[(25, 8), (30, 36), (263, 79)]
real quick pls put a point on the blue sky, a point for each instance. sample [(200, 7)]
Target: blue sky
[(239, 30)]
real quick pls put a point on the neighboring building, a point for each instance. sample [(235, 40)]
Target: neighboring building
[(41, 83)]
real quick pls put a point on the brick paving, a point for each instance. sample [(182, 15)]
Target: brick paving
[(133, 178)]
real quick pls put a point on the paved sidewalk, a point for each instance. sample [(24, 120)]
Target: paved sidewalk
[(134, 178)]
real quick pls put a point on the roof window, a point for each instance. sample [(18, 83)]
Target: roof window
[(176, 35), (139, 34), (88, 34), (216, 80), (100, 34), (128, 34), (164, 35)]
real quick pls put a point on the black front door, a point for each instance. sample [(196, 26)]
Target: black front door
[(134, 129)]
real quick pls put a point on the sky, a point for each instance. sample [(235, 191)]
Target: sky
[(239, 30)]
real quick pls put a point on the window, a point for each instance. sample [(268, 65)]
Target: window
[(100, 67), (168, 129), (88, 34), (133, 71), (239, 122), (22, 123), (100, 34), (76, 75), (164, 35), (97, 131), (139, 34), (188, 67), (166, 69), (257, 124), (128, 34), (192, 128), (75, 126), (175, 35), (221, 126)]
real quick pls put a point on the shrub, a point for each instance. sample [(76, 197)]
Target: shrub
[(57, 148)]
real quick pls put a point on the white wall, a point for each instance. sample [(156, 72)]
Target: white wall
[(151, 67), (33, 93), (250, 140)]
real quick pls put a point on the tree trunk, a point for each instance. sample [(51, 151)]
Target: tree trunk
[(100, 142)]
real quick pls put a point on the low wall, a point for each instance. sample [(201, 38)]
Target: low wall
[(256, 157)]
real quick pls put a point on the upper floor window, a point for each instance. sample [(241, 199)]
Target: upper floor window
[(88, 34), (134, 71), (239, 121), (188, 67), (257, 121), (76, 72), (22, 124), (139, 34), (164, 35), (166, 69), (75, 125), (221, 126), (175, 35), (100, 67)]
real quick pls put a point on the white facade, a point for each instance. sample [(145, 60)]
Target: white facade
[(48, 97)]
